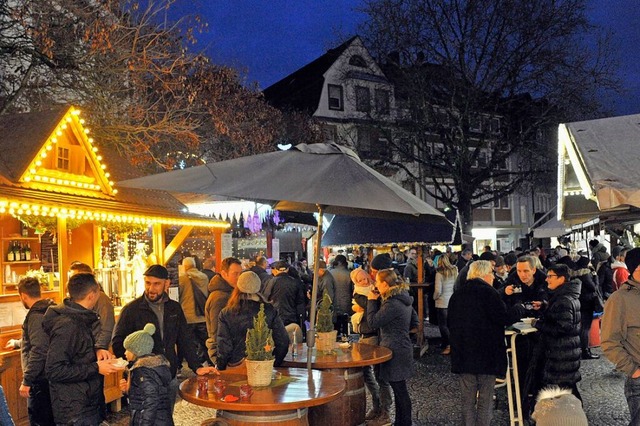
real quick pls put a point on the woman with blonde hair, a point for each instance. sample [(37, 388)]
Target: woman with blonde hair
[(446, 275), (394, 317)]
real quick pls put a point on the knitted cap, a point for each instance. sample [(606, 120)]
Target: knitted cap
[(141, 342), (558, 407), (381, 261), (249, 282), (632, 259)]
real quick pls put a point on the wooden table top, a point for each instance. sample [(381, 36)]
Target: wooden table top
[(358, 355), (305, 391)]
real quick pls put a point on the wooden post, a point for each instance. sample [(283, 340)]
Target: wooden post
[(63, 254), (217, 240), (158, 243)]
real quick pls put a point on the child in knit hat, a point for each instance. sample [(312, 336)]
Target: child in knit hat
[(557, 406), (149, 379)]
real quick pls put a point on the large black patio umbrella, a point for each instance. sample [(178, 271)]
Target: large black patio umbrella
[(322, 178)]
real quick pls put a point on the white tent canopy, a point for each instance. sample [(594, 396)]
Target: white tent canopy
[(551, 228), (598, 164)]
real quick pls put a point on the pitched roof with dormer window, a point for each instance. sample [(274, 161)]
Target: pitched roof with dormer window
[(302, 89), (49, 162)]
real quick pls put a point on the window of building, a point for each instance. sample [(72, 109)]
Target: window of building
[(363, 99), (63, 158), (383, 102), (494, 125), (335, 97), (370, 145), (504, 202), (475, 123), (357, 61), (329, 133)]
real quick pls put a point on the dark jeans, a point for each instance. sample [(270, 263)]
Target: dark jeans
[(342, 324), (403, 403), (39, 405), (586, 318), (442, 324)]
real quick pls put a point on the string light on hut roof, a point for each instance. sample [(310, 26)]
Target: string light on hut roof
[(42, 177)]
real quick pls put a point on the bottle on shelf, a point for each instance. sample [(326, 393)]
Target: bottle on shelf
[(23, 254), (10, 254), (27, 252), (16, 251)]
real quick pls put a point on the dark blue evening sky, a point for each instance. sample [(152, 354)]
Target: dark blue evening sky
[(271, 39)]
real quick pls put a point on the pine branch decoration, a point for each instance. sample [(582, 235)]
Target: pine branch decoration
[(324, 322), (259, 340)]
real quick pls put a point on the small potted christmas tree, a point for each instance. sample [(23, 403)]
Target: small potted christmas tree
[(260, 359), (324, 325)]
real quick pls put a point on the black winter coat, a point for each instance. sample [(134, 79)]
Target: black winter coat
[(395, 317), (587, 289), (232, 332), (605, 278), (288, 297), (71, 368), (35, 344), (365, 329), (560, 328), (149, 399), (136, 314), (477, 317)]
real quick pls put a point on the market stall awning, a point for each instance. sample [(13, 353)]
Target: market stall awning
[(552, 228), (598, 170)]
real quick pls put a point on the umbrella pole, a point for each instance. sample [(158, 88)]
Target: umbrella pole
[(311, 333)]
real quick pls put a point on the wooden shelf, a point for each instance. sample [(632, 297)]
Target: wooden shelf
[(22, 262), (20, 239)]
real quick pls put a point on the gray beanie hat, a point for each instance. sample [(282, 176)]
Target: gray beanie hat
[(249, 282), (141, 342)]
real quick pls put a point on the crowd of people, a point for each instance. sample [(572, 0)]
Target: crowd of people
[(472, 298)]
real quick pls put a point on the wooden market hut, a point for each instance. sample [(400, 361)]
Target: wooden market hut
[(54, 178)]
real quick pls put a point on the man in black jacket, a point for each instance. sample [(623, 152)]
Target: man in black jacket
[(155, 307), (287, 295), (72, 368), (34, 346)]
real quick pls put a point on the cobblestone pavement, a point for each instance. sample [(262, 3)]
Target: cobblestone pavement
[(434, 393)]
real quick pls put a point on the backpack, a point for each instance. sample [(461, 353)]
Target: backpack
[(200, 299)]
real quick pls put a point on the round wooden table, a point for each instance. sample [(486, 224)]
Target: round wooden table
[(349, 409), (285, 402)]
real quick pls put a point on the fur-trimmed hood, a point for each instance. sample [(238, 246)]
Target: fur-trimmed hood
[(581, 272), (399, 290), (150, 361)]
